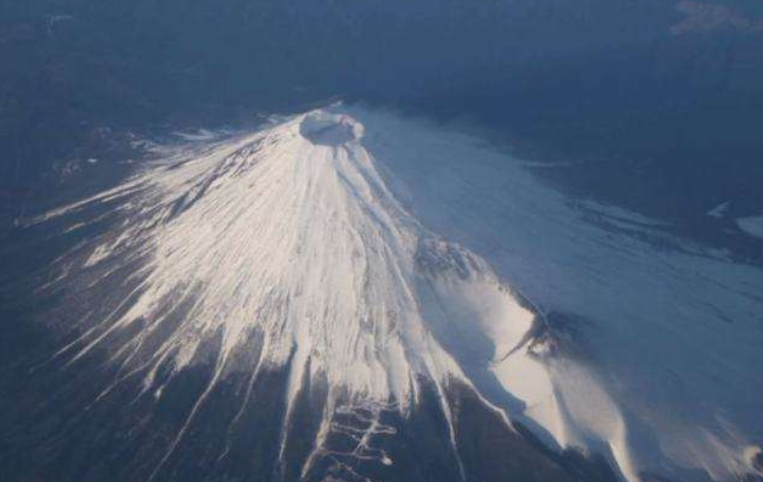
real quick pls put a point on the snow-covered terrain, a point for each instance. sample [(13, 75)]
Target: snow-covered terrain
[(720, 210), (752, 226), (378, 253)]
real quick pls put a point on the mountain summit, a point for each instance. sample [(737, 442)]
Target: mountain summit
[(307, 303)]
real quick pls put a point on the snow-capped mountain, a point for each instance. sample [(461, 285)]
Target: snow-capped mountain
[(351, 295)]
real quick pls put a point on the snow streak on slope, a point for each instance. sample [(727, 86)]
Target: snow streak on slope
[(288, 241), (296, 248)]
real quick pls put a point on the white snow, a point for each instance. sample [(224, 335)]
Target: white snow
[(673, 335), (752, 226), (720, 210), (196, 136), (375, 251)]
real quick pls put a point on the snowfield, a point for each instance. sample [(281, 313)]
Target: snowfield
[(373, 252), (752, 226)]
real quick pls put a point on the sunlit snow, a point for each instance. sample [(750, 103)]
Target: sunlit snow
[(376, 251)]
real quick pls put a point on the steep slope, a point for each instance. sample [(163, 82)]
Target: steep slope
[(288, 294)]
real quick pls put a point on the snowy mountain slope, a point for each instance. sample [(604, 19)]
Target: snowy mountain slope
[(375, 260), (671, 330)]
